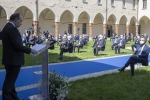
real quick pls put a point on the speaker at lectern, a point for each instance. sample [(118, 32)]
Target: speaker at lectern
[(40, 73)]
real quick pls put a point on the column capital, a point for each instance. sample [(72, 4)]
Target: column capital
[(90, 24), (74, 23)]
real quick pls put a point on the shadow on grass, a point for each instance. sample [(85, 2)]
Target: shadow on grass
[(114, 86)]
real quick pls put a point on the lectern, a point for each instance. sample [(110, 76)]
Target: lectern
[(43, 50)]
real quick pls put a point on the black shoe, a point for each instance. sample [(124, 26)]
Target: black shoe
[(121, 70)]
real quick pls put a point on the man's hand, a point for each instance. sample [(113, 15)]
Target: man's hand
[(33, 51)]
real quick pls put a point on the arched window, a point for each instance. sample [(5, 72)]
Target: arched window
[(133, 4), (144, 4), (99, 1), (124, 3)]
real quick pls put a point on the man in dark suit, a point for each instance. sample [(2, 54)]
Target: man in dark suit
[(68, 47), (115, 42), (140, 56), (121, 44), (13, 55), (137, 42), (79, 44), (99, 45)]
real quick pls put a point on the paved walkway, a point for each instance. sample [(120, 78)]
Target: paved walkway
[(29, 76)]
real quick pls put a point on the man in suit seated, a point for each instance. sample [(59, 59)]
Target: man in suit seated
[(80, 44), (52, 40), (32, 41), (113, 37), (140, 56), (68, 47), (121, 44), (128, 38), (59, 39), (96, 36), (99, 45), (24, 39), (115, 42), (137, 42)]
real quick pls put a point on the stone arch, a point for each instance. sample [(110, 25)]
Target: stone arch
[(111, 21), (98, 24), (3, 17), (133, 23), (27, 15), (83, 23), (47, 21), (144, 23), (84, 14), (145, 19), (112, 18), (122, 25), (66, 22)]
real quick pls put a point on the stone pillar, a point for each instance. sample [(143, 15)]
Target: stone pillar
[(90, 30), (116, 29), (137, 30), (104, 29), (56, 29), (35, 26), (127, 30), (74, 28)]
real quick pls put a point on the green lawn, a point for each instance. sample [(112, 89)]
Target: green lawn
[(117, 86), (86, 53)]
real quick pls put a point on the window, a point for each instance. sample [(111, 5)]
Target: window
[(70, 28), (84, 28), (124, 3), (144, 4), (133, 4), (99, 1), (84, 1), (68, 0), (112, 2)]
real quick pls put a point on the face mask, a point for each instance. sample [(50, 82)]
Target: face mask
[(141, 42)]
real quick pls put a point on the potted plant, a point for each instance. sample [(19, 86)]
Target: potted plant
[(58, 86)]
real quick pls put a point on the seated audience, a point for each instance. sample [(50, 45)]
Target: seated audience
[(24, 39), (68, 47), (79, 44), (137, 42), (140, 56), (99, 45), (115, 42), (121, 44)]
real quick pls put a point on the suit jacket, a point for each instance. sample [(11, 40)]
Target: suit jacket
[(123, 42), (144, 54), (101, 43), (115, 40), (13, 49), (137, 41)]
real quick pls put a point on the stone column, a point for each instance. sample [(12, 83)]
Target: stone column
[(116, 29), (137, 30), (74, 28), (56, 29), (35, 26), (90, 30), (127, 30), (104, 29)]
